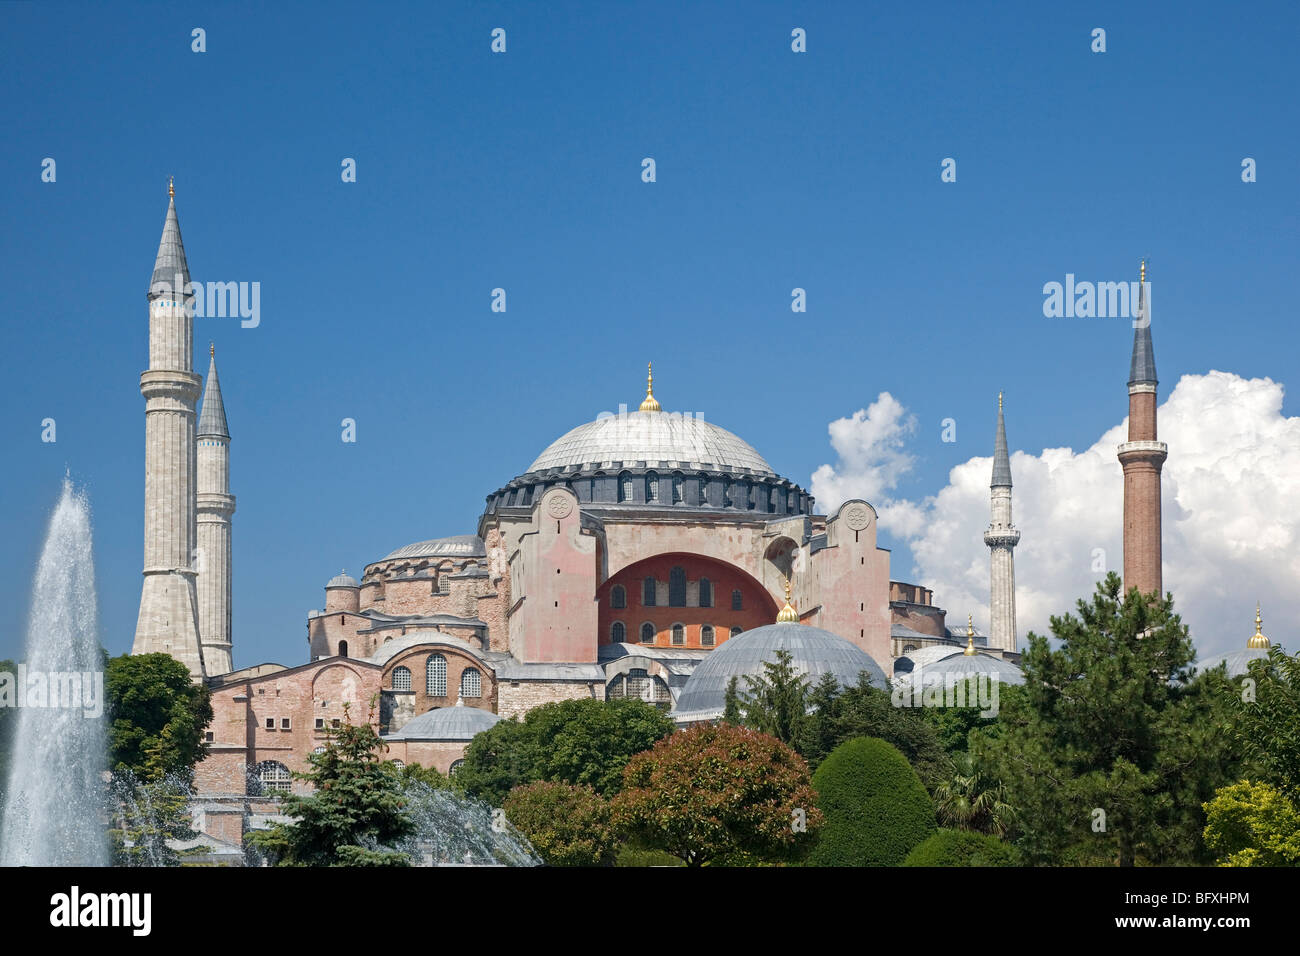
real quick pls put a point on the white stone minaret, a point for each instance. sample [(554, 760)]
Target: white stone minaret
[(168, 621), (215, 505), (1002, 538)]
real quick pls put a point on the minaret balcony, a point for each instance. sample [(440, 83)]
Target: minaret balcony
[(1155, 450), (1001, 537)]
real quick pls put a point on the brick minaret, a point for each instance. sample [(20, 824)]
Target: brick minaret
[(1001, 538), (168, 621), (215, 505), (1142, 457)]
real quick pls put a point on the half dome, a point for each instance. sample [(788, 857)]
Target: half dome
[(447, 723)]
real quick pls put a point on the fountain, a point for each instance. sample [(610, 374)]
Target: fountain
[(52, 810)]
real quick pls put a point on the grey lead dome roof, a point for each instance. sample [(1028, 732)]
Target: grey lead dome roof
[(815, 652), (651, 437), (455, 546), (447, 723), (342, 580)]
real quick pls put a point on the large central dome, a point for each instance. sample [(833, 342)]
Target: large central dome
[(651, 436)]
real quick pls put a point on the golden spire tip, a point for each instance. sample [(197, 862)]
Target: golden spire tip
[(1259, 640), (1142, 275), (970, 636), (171, 187), (788, 614), (212, 350), (650, 403)]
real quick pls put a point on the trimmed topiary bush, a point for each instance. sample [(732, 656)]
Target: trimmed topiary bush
[(961, 848), (876, 808)]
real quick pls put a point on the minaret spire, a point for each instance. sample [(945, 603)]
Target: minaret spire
[(1001, 538), (1142, 457), (214, 505)]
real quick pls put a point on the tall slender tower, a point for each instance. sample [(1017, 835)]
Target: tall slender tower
[(1142, 457), (215, 505), (1001, 538), (168, 621)]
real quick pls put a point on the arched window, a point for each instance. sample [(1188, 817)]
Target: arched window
[(727, 488), (679, 635), (618, 597), (319, 750), (737, 600), (435, 676), (677, 489), (624, 487), (343, 648), (618, 632), (647, 633), (789, 501), (400, 765), (704, 489), (706, 592), (401, 678), (706, 635), (735, 632), (455, 765), (677, 587), (471, 683), (651, 486), (648, 592), (270, 776)]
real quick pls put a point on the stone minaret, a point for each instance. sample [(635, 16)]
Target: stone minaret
[(168, 621), (1142, 456), (1001, 538), (215, 505)]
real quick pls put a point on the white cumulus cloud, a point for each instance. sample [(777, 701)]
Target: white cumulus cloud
[(1231, 512)]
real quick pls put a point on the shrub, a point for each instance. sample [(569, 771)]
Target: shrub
[(875, 806), (567, 825), (961, 848)]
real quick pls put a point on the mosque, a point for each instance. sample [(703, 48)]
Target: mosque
[(643, 554)]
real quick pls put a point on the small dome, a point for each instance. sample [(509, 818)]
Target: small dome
[(961, 665), (814, 651), (925, 656), (342, 580), (652, 437), (447, 723), (1238, 662)]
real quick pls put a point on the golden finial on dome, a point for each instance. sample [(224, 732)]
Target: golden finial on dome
[(788, 614), (1259, 640), (970, 637), (171, 187), (650, 404)]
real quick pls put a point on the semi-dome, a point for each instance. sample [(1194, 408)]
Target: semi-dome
[(959, 667), (447, 723), (814, 652), (652, 437)]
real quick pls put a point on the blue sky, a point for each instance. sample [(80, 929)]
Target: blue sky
[(522, 171)]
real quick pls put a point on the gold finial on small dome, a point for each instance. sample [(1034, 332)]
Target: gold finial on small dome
[(1259, 640), (650, 404), (788, 614), (970, 637), (171, 187)]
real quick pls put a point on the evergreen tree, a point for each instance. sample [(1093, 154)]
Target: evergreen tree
[(1109, 751), (356, 809), (1267, 720)]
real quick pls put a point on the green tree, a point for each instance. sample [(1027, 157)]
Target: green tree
[(961, 848), (875, 805), (1267, 720), (356, 810), (773, 702), (157, 715), (716, 792), (574, 741), (968, 800), (867, 711), (1253, 824), (1109, 750), (567, 825)]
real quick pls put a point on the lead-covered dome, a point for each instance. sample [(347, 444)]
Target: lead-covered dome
[(652, 437), (814, 652), (447, 723)]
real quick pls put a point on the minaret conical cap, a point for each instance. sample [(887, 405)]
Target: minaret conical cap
[(170, 260), (1142, 368), (1001, 459), (212, 418)]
